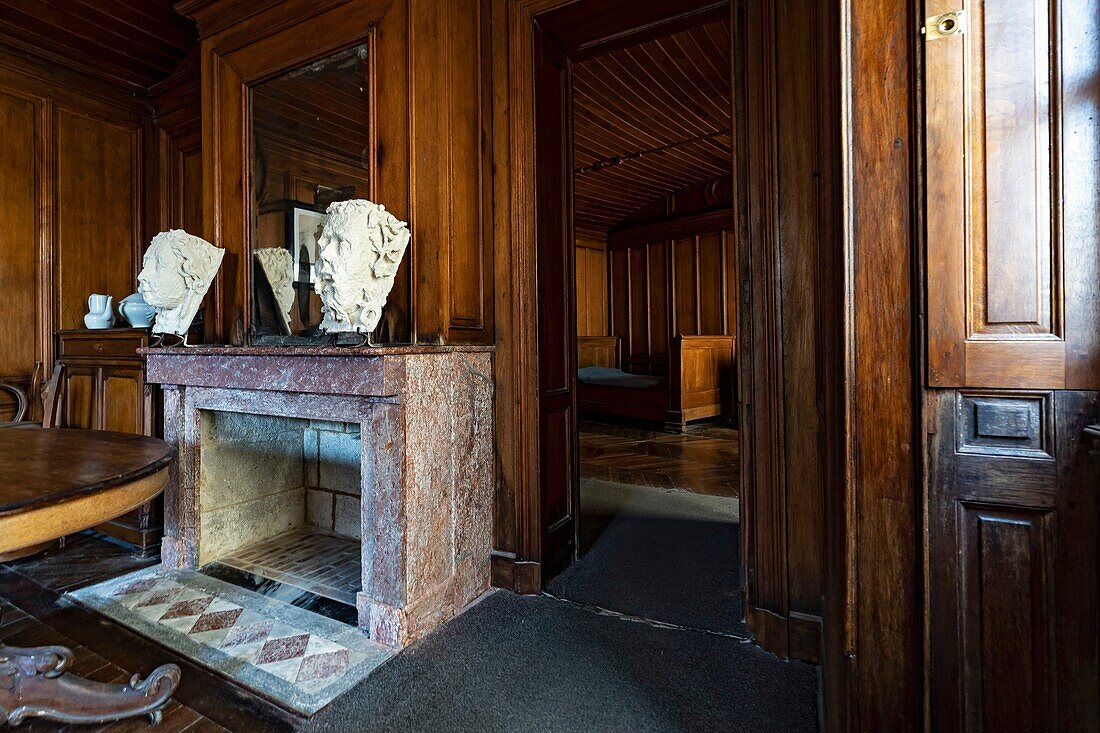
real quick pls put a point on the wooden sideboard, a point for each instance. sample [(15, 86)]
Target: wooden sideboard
[(103, 387)]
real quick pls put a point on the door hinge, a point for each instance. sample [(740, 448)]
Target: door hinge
[(944, 25)]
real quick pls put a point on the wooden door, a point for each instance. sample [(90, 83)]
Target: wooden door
[(1013, 203), (558, 468)]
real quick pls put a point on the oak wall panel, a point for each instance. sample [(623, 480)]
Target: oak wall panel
[(453, 263), (591, 267), (72, 209), (619, 295), (671, 278), (98, 178), (18, 237)]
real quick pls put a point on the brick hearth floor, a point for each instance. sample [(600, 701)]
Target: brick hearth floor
[(320, 563)]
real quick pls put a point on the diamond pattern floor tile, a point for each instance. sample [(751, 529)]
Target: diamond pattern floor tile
[(285, 652)]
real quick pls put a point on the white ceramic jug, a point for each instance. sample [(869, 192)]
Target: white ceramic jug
[(100, 313)]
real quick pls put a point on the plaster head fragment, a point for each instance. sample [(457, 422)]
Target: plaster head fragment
[(176, 273), (358, 255)]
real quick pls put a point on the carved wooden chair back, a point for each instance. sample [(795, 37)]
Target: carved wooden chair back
[(51, 400), (22, 404)]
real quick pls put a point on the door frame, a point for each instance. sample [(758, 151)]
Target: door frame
[(873, 648), (519, 567)]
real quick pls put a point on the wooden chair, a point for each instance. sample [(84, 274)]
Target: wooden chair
[(50, 400)]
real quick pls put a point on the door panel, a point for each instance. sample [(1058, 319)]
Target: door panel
[(1014, 561), (1013, 165), (557, 321), (79, 394), (1003, 134), (123, 400)]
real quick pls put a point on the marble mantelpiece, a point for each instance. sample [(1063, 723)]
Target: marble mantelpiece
[(425, 417)]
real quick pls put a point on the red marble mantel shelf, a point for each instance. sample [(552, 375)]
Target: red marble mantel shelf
[(368, 351), (332, 370)]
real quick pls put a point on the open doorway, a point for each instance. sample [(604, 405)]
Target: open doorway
[(655, 284)]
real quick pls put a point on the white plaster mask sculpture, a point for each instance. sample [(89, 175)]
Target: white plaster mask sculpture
[(358, 255), (175, 275), (278, 265)]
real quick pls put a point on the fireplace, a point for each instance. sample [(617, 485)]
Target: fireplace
[(280, 498), (363, 475)]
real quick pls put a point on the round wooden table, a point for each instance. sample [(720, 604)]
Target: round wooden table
[(54, 482)]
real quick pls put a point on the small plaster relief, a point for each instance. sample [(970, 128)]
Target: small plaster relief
[(175, 275), (358, 255), (278, 266)]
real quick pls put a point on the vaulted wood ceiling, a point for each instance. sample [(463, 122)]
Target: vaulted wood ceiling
[(134, 42), (649, 120)]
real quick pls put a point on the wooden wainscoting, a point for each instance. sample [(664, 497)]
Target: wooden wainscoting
[(591, 286), (73, 202), (670, 278)]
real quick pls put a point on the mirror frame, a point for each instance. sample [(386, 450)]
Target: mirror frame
[(235, 60)]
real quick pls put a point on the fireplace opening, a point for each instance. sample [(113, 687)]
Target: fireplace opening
[(279, 504)]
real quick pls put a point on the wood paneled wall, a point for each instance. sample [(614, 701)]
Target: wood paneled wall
[(73, 203), (430, 82), (591, 277), (671, 278), (178, 117)]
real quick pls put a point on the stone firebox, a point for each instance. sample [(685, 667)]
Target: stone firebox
[(268, 440)]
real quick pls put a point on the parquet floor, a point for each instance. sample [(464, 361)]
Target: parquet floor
[(704, 460)]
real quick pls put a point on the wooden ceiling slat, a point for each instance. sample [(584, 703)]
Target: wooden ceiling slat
[(64, 44), (665, 93), (98, 30), (136, 42), (130, 29)]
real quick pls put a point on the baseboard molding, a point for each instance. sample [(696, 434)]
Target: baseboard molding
[(519, 576), (769, 630), (795, 636), (806, 635)]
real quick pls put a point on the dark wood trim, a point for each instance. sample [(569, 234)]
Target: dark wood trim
[(684, 226), (516, 576), (882, 523), (763, 492)]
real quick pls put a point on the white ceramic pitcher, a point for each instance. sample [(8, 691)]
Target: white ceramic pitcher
[(100, 311)]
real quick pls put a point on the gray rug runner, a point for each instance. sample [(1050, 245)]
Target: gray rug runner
[(519, 664), (661, 554)]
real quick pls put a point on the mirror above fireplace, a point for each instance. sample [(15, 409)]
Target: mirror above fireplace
[(311, 137)]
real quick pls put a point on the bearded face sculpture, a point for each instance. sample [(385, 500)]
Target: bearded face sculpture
[(358, 255), (176, 273)]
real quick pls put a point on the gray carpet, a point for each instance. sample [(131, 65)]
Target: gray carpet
[(664, 555), (522, 663)]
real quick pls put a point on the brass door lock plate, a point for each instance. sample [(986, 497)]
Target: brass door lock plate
[(945, 25)]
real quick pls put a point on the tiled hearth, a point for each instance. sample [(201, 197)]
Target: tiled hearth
[(298, 658), (361, 475)]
